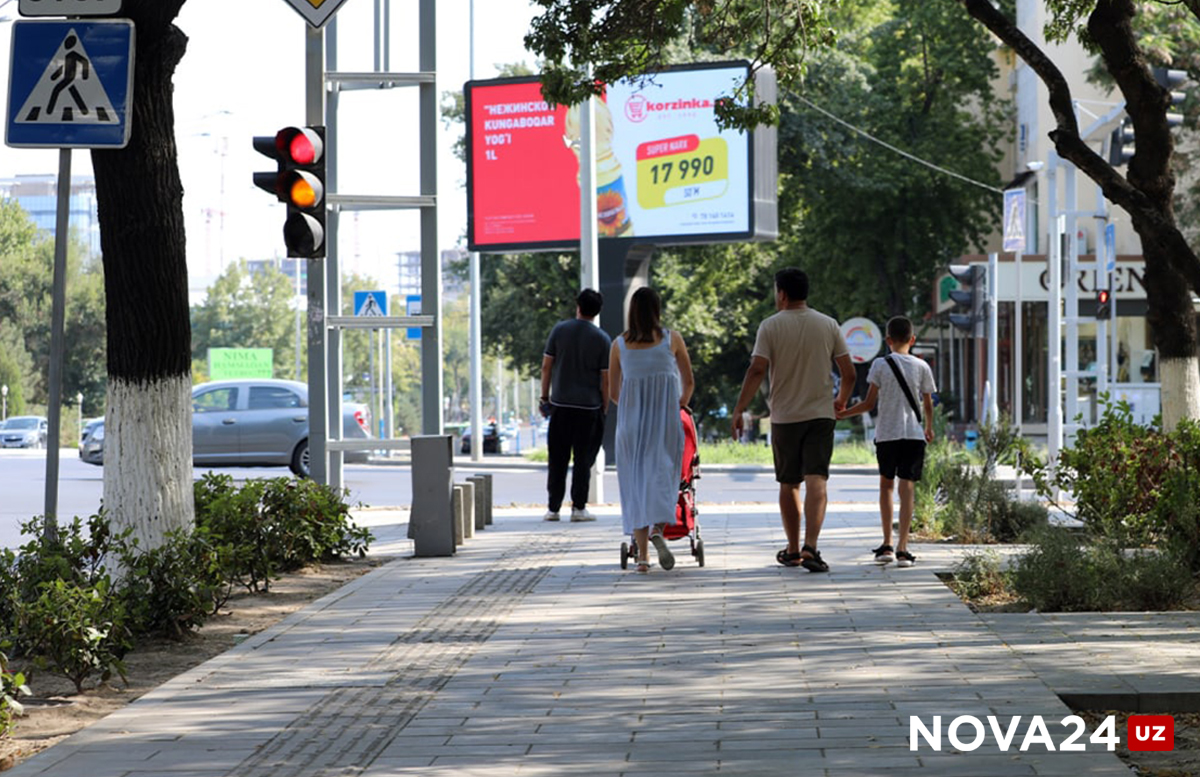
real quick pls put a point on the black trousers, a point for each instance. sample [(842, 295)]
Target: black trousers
[(573, 433)]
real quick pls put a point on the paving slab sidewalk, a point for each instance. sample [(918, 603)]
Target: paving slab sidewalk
[(531, 652)]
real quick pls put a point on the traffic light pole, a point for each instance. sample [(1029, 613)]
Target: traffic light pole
[(314, 60)]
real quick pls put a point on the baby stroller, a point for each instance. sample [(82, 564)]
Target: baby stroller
[(685, 507)]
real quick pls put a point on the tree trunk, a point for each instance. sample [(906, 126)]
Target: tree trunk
[(148, 446)]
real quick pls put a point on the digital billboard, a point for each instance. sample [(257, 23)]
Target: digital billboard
[(664, 171)]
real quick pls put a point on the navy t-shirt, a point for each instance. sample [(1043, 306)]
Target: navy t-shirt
[(580, 352)]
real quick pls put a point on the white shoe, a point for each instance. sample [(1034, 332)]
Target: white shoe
[(550, 516), (579, 516), (666, 559)]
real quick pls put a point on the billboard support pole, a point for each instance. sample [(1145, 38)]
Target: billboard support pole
[(589, 265)]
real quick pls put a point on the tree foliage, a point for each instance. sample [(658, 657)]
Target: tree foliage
[(26, 278), (586, 43), (917, 77), (248, 310)]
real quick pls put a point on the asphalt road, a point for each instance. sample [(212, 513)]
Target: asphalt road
[(23, 479)]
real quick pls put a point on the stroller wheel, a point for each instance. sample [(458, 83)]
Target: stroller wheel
[(625, 555), (700, 552)]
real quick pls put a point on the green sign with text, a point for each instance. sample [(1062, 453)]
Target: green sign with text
[(235, 363)]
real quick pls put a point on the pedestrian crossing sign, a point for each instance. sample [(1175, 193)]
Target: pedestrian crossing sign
[(370, 303), (70, 84)]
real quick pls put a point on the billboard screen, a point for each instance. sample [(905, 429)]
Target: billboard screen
[(664, 171)]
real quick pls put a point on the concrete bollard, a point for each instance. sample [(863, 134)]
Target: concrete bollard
[(481, 510), (431, 525), (488, 504), (468, 509), (456, 513)]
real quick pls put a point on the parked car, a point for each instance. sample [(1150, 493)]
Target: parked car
[(494, 441), (88, 425), (91, 447), (24, 431), (252, 423)]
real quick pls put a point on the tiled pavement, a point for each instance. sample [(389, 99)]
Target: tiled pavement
[(531, 652)]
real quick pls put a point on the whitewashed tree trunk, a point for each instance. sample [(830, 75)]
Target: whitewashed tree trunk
[(148, 458), (139, 195), (1180, 390)]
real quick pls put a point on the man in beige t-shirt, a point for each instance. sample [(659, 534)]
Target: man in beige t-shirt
[(797, 348)]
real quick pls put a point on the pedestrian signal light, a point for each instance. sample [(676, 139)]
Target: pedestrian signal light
[(1103, 304), (299, 182)]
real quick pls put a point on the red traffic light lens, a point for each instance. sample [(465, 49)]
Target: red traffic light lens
[(300, 145), (301, 149), (1102, 296)]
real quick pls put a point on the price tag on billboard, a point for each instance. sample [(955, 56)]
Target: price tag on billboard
[(683, 169)]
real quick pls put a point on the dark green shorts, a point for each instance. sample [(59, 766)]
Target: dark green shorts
[(802, 448)]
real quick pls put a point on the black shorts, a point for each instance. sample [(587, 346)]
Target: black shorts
[(802, 448), (900, 458)]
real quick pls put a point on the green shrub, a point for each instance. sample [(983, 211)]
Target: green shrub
[(268, 526), (312, 522), (1134, 485), (76, 631), (12, 685), (961, 498), (1065, 572), (980, 574), (170, 589)]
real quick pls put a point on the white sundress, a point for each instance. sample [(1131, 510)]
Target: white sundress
[(649, 440)]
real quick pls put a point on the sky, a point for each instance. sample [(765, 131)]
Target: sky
[(243, 75)]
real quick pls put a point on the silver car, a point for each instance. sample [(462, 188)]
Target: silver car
[(251, 423), (24, 431)]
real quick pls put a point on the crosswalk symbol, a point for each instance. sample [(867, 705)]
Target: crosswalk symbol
[(69, 91), (370, 303)]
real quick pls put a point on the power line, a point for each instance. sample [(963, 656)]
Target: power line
[(893, 149)]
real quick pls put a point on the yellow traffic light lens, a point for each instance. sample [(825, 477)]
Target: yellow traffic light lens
[(302, 194)]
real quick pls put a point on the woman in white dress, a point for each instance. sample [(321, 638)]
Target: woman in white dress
[(650, 376)]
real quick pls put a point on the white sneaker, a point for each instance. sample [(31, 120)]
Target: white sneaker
[(666, 559), (579, 516), (550, 516)]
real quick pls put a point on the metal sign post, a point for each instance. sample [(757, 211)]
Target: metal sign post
[(70, 86)]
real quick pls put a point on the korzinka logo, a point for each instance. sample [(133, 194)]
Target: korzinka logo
[(638, 108)]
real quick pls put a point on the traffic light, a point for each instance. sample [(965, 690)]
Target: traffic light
[(967, 298), (1104, 306), (1120, 145), (299, 182), (1171, 80), (1121, 142)]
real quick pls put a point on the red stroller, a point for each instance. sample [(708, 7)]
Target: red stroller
[(685, 507)]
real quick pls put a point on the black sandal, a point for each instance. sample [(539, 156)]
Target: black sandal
[(813, 562), (788, 559)]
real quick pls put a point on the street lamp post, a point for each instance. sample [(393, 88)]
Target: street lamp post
[(4, 406), (79, 412)]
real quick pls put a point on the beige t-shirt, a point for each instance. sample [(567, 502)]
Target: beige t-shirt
[(800, 346)]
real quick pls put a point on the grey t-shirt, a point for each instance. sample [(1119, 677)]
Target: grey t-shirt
[(896, 420), (580, 352)]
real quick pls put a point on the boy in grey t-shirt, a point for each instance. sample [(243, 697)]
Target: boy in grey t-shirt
[(900, 431)]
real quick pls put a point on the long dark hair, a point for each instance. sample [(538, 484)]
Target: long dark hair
[(645, 312)]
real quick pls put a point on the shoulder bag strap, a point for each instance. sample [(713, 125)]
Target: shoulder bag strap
[(904, 385)]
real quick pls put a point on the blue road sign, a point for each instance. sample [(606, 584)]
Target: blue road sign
[(370, 303), (1110, 247), (70, 84), (412, 307)]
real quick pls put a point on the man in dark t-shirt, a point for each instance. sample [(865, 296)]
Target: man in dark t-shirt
[(575, 398)]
